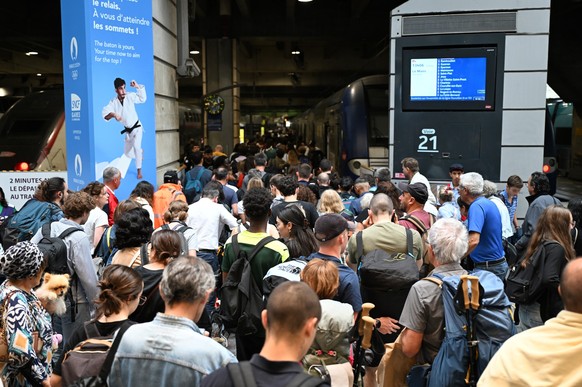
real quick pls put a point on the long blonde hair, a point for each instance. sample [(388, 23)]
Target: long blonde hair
[(330, 202), (553, 224)]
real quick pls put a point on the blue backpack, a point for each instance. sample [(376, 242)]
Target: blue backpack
[(193, 187), (476, 312), (24, 224)]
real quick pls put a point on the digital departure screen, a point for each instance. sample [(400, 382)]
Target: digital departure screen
[(448, 79)]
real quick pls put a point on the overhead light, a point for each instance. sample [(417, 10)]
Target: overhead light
[(305, 1), (194, 52), (38, 74), (32, 53), (295, 52)]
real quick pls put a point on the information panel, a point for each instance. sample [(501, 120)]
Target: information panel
[(109, 90), (448, 79)]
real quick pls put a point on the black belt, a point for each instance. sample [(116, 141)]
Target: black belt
[(490, 263), (207, 250), (129, 130)]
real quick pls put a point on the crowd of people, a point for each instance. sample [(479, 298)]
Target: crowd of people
[(150, 268)]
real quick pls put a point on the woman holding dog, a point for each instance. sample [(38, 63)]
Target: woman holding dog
[(121, 292), (26, 353)]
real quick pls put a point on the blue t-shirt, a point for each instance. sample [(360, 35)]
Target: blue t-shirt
[(349, 285), (484, 218)]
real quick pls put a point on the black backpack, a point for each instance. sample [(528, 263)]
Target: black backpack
[(180, 230), (386, 276), (89, 363), (525, 285), (55, 249), (241, 298)]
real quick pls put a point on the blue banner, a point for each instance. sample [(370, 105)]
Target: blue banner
[(109, 90)]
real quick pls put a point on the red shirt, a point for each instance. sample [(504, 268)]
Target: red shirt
[(111, 205)]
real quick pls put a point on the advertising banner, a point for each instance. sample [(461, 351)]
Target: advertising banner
[(109, 91), (19, 187)]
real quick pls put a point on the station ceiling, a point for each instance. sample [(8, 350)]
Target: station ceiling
[(340, 41)]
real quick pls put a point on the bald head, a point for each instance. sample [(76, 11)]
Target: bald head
[(381, 204), (571, 286)]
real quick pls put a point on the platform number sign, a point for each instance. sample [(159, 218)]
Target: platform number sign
[(427, 141)]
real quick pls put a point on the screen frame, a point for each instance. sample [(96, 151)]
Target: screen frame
[(487, 51)]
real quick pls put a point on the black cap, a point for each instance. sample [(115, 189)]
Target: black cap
[(417, 190), (329, 226), (171, 177), (456, 167)]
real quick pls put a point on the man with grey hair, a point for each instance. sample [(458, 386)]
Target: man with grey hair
[(490, 192), (112, 181), (423, 313), (484, 224), (171, 350)]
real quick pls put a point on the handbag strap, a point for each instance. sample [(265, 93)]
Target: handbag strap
[(359, 246)]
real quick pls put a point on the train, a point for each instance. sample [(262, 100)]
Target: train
[(33, 131), (351, 126)]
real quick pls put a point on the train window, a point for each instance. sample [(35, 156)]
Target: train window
[(24, 129), (377, 99)]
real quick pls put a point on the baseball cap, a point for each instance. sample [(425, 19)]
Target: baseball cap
[(329, 226), (456, 167), (171, 177), (417, 190)]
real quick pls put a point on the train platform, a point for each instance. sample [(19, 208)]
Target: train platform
[(568, 189)]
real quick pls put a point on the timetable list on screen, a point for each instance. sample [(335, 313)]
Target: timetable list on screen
[(448, 79)]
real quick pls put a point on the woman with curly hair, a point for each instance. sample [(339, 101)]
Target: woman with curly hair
[(165, 246), (553, 237), (134, 229), (295, 231), (26, 324), (120, 295)]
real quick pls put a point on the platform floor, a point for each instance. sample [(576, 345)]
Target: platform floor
[(568, 188)]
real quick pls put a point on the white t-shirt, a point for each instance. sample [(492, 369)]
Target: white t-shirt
[(97, 218)]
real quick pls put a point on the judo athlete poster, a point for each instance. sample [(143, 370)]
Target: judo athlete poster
[(109, 91)]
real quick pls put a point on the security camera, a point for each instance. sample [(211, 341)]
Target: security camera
[(189, 69)]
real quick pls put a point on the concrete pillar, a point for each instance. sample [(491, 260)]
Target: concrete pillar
[(166, 86), (220, 71)]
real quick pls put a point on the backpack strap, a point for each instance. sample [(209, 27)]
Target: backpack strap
[(417, 223), (434, 280), (165, 226), (143, 254), (46, 230), (106, 368), (68, 232), (241, 374), (304, 380), (360, 246), (91, 329), (108, 238), (409, 247)]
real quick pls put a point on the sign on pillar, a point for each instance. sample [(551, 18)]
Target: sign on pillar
[(109, 90)]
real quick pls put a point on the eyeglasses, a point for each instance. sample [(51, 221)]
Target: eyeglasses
[(142, 300)]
